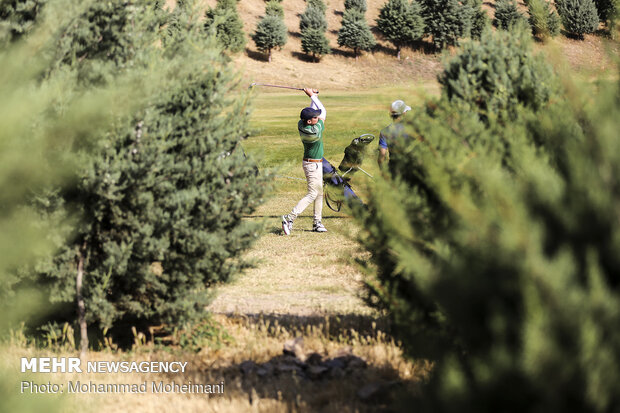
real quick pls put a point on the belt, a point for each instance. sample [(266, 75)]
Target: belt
[(313, 160)]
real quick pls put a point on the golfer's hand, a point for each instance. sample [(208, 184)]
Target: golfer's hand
[(311, 92)]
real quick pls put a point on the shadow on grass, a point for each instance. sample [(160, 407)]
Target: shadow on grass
[(305, 380), (253, 54)]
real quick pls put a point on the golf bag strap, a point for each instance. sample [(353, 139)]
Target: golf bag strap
[(338, 203)]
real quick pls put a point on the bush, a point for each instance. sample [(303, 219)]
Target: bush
[(579, 17), (545, 22), (312, 18), (505, 275), (497, 76), (355, 32), (225, 20), (314, 42), (507, 14), (359, 5), (401, 23), (270, 33), (446, 21)]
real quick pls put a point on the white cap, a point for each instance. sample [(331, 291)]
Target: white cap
[(399, 107)]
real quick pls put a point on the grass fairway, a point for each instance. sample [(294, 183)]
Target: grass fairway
[(308, 273)]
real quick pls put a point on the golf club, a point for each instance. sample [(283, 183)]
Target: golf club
[(278, 86)]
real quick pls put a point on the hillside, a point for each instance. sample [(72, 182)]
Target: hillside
[(340, 70)]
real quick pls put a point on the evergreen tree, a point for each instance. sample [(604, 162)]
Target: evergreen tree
[(507, 14), (355, 33), (497, 77), (17, 18), (545, 22), (447, 21), (314, 42), (225, 20), (270, 33), (579, 17), (359, 5), (401, 23), (313, 25), (607, 9), (489, 267), (479, 18), (312, 18), (317, 4), (163, 195), (273, 7)]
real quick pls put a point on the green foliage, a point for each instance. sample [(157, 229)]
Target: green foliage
[(401, 23), (579, 17), (207, 333), (447, 21), (498, 75), (312, 18), (314, 42), (498, 261), (355, 33), (544, 21), (607, 9), (225, 20), (273, 7), (507, 14), (359, 5), (270, 33), (479, 18), (17, 18), (317, 4), (162, 195)]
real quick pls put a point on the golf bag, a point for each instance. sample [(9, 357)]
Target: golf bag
[(336, 186)]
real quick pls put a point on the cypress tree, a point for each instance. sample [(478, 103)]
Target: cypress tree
[(497, 77), (312, 18), (313, 41), (270, 33), (401, 23), (359, 5), (355, 32), (163, 195), (447, 21), (273, 7), (483, 262), (507, 14), (479, 18), (545, 22), (313, 25), (317, 4), (225, 20), (579, 17)]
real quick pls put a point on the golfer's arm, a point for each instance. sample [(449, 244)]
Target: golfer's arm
[(316, 104)]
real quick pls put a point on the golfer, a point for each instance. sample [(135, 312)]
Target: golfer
[(393, 131), (310, 127)]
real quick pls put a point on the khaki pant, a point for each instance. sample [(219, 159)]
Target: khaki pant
[(314, 176)]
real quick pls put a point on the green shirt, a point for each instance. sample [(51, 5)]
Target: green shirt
[(312, 138)]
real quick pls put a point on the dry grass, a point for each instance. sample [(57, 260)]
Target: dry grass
[(258, 341)]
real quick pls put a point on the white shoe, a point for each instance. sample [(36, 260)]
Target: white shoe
[(318, 227), (287, 225)]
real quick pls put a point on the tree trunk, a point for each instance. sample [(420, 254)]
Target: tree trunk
[(269, 56), (398, 52), (355, 53), (81, 305)]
